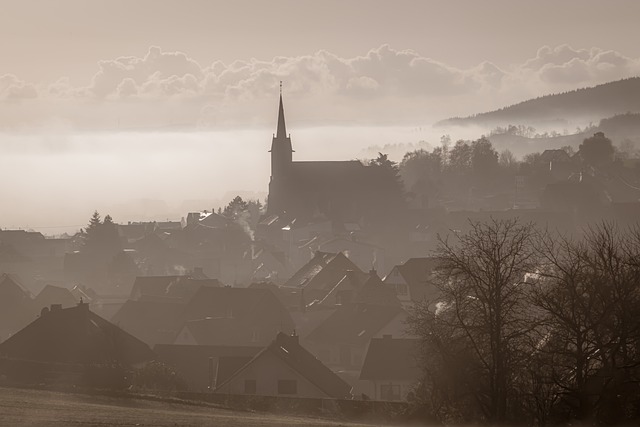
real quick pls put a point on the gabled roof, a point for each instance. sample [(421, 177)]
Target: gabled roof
[(50, 295), (212, 219), (354, 324), (349, 285), (241, 303), (375, 292), (323, 271), (75, 335), (416, 272), (231, 316), (192, 362), (229, 365), (16, 306), (154, 322), (161, 287), (20, 236), (391, 359), (287, 349), (11, 282), (222, 331)]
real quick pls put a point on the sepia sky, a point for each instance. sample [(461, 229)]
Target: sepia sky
[(96, 64), (134, 107)]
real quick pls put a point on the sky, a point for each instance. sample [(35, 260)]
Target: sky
[(141, 83)]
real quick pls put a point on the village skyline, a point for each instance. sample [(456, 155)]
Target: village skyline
[(347, 212)]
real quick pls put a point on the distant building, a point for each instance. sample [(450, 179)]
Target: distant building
[(71, 345), (50, 295), (233, 317), (204, 366), (318, 277), (412, 280), (16, 306), (341, 191), (391, 366), (285, 368), (170, 287), (341, 340)]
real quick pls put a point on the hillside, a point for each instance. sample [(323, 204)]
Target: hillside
[(587, 104)]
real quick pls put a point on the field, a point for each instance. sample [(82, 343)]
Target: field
[(20, 407)]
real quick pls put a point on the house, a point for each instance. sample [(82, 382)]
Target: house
[(202, 366), (269, 264), (319, 276), (233, 317), (411, 280), (365, 255), (50, 295), (209, 219), (358, 288), (71, 345), (74, 335), (391, 367), (285, 368), (154, 322), (133, 231), (341, 340), (16, 306), (169, 287)]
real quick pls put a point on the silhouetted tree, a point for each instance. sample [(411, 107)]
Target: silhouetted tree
[(597, 150), (390, 196), (235, 207), (482, 327), (460, 157), (484, 159), (590, 297)]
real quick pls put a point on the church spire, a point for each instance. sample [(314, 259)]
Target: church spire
[(282, 129)]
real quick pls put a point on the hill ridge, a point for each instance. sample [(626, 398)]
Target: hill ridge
[(604, 100)]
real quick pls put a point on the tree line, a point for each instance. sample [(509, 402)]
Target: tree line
[(532, 327)]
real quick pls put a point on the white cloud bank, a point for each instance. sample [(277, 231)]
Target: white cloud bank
[(164, 89)]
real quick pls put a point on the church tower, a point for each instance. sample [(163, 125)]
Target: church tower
[(281, 151), (281, 158)]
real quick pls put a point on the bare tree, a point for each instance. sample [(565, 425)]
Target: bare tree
[(589, 291), (483, 325)]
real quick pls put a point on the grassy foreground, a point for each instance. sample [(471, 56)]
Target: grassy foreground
[(22, 407)]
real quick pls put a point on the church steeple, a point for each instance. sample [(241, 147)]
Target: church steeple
[(281, 151), (281, 159), (282, 129)]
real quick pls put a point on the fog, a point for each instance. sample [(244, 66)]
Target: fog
[(57, 180)]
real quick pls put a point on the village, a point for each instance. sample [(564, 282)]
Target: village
[(306, 297)]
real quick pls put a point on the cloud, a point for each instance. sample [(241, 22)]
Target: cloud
[(564, 66), (156, 70), (14, 89), (171, 87)]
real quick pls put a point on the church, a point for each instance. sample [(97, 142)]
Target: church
[(341, 191)]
